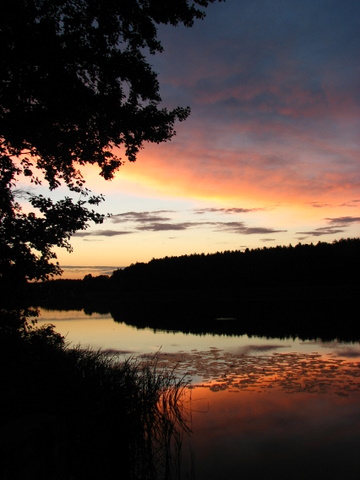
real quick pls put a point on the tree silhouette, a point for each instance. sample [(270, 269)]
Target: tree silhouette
[(76, 87)]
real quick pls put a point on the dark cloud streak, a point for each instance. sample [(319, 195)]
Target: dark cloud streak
[(335, 226), (351, 203), (155, 222), (234, 210), (343, 220), (102, 233), (141, 216), (241, 228), (318, 232), (161, 227)]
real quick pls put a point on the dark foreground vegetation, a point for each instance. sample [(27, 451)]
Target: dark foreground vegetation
[(309, 291), (70, 414)]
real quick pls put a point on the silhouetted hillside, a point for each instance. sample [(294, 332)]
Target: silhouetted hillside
[(307, 291), (303, 265)]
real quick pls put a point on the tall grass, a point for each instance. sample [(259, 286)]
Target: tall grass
[(73, 413), (164, 416)]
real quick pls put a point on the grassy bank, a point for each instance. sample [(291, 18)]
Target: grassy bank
[(70, 413)]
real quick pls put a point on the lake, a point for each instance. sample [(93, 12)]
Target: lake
[(257, 407)]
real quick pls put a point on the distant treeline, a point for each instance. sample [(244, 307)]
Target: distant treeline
[(306, 290), (303, 265)]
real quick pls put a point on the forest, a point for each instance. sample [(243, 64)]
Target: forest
[(301, 265), (304, 290)]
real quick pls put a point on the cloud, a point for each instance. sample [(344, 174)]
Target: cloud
[(318, 232), (351, 203), (140, 216), (335, 226), (83, 234), (233, 227), (319, 205), (160, 227), (240, 227), (102, 233), (234, 210), (343, 220), (261, 163), (275, 102), (154, 221)]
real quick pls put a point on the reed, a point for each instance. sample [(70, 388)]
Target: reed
[(165, 417), (74, 413)]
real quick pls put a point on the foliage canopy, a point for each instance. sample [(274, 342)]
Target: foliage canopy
[(76, 86)]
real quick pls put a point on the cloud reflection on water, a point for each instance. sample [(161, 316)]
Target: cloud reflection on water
[(262, 410), (274, 435), (279, 415)]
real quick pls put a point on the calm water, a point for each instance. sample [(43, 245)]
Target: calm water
[(258, 408)]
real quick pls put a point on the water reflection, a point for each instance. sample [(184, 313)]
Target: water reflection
[(101, 331), (275, 415), (259, 408), (274, 435)]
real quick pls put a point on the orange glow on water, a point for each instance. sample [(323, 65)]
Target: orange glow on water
[(264, 431), (256, 406)]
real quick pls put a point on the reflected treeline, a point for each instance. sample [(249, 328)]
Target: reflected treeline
[(285, 313), (308, 291)]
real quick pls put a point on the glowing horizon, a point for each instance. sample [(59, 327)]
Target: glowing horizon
[(270, 154)]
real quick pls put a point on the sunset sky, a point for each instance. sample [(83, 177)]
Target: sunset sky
[(270, 154)]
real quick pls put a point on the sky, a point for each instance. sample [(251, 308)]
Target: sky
[(270, 154)]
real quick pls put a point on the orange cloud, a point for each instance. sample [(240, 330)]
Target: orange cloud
[(239, 175)]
